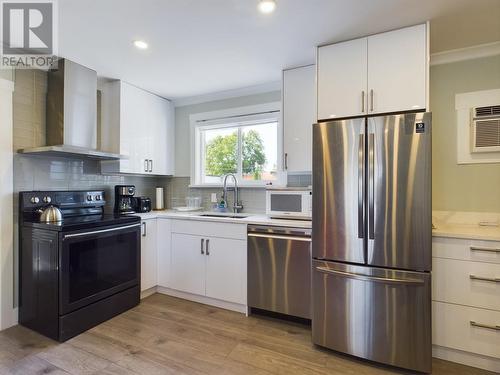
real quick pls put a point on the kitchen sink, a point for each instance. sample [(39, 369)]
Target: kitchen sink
[(228, 215)]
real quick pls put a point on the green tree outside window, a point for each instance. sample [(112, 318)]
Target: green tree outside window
[(221, 154)]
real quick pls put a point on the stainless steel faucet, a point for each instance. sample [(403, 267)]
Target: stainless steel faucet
[(237, 205)]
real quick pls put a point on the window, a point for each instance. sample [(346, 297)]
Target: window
[(245, 145)]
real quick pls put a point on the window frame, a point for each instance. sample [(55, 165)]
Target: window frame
[(234, 117)]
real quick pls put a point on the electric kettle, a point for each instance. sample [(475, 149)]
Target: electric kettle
[(50, 214)]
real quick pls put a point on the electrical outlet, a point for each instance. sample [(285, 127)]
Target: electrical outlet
[(213, 198)]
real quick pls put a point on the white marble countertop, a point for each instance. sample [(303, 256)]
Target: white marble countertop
[(443, 229), (467, 231), (249, 218)]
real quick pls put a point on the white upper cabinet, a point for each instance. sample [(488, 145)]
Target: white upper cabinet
[(397, 70), (381, 73), (140, 125), (299, 113), (342, 79)]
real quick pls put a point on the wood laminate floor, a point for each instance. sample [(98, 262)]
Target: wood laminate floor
[(166, 335)]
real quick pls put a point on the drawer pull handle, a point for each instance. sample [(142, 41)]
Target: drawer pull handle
[(488, 249), (491, 279), (488, 326)]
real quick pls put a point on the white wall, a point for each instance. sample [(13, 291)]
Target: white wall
[(182, 128), (8, 315)]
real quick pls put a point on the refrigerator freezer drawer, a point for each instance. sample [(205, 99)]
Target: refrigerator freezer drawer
[(378, 314)]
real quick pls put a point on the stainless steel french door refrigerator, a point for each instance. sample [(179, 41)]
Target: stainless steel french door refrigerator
[(371, 239)]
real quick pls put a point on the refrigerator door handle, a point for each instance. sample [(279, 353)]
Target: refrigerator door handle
[(358, 276), (371, 186), (361, 184)]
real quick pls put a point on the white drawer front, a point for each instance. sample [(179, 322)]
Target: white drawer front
[(452, 282), (210, 229), (451, 328), (479, 251)]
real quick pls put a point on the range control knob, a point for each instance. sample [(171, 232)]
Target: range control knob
[(89, 198), (47, 199), (97, 197), (35, 200)]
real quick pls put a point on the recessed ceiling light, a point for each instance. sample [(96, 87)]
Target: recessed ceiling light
[(267, 6), (141, 44)]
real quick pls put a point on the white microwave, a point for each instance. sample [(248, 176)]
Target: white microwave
[(289, 203)]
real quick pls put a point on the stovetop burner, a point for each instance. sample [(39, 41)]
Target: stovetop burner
[(80, 210)]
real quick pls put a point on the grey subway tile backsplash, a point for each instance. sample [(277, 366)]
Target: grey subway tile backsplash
[(49, 173), (254, 199), (299, 180)]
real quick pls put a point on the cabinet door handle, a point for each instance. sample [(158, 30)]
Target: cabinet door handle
[(488, 326), (487, 249), (206, 248), (363, 101), (146, 164), (144, 231), (480, 278), (201, 248), (371, 100), (286, 160)]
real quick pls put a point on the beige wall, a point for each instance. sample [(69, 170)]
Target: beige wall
[(473, 187), (7, 74), (182, 127), (8, 315)]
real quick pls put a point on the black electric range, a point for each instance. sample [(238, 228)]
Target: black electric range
[(79, 272)]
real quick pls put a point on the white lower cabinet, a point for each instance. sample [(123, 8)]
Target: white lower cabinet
[(206, 259), (207, 265), (149, 254), (163, 243), (466, 301), (225, 267), (188, 264), (466, 328), (466, 283)]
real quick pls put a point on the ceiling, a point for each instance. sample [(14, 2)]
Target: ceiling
[(203, 46)]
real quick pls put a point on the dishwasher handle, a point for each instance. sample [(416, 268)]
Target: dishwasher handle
[(280, 237)]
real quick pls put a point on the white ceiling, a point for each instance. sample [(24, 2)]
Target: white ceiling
[(204, 46)]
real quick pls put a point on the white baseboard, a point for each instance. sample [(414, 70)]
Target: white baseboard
[(148, 292), (202, 299), (466, 358)]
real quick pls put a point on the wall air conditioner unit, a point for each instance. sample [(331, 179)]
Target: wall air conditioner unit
[(485, 129)]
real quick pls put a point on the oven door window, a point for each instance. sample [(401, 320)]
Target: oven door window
[(286, 202), (97, 265)]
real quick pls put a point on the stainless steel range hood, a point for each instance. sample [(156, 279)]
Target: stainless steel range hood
[(71, 114)]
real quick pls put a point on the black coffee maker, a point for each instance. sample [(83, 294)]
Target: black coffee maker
[(124, 199)]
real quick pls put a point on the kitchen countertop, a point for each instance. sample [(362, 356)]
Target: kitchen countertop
[(447, 230), (467, 231), (250, 218)]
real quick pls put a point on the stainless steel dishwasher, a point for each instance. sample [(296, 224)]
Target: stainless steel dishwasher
[(279, 269)]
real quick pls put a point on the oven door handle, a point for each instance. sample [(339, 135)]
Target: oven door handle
[(101, 231)]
